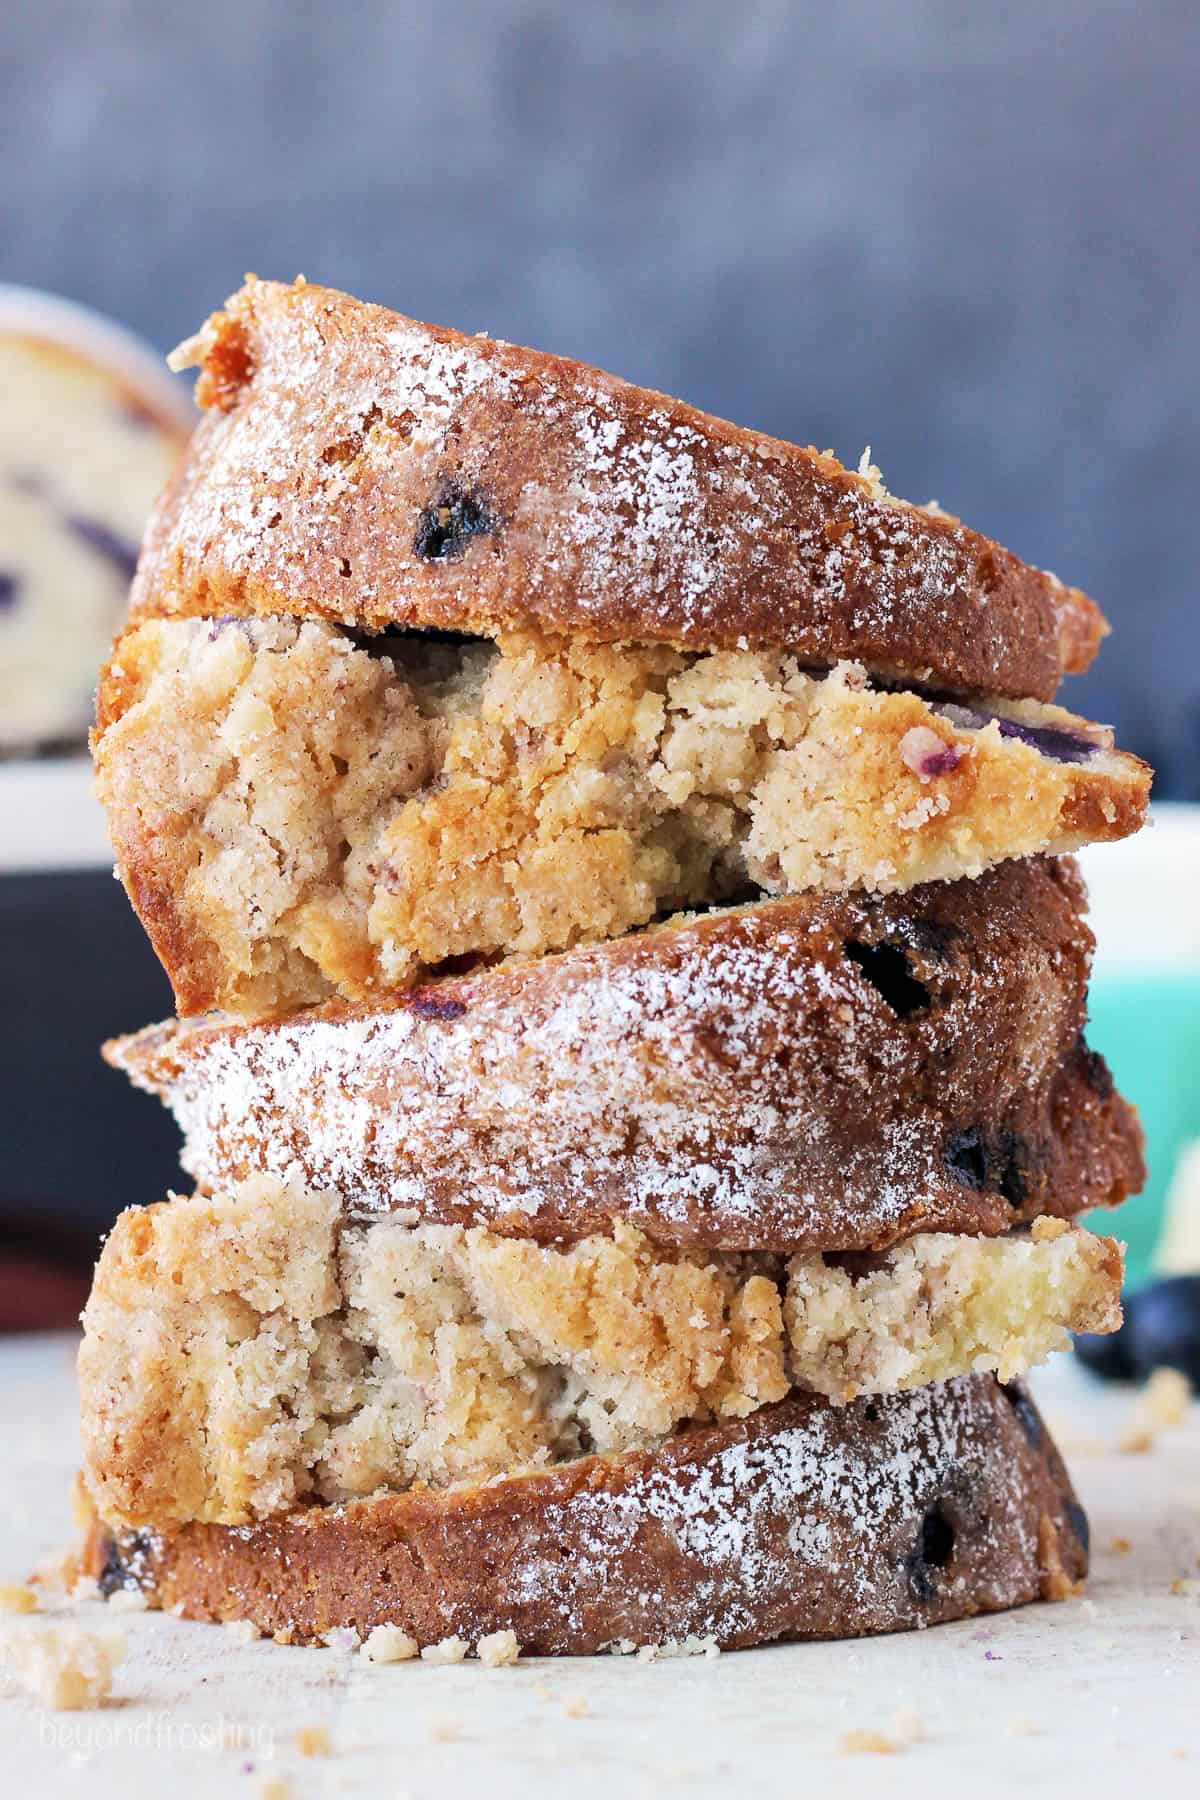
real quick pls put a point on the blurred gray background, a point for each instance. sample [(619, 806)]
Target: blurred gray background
[(966, 234)]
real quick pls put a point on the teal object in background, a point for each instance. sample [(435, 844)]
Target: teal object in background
[(1147, 1027)]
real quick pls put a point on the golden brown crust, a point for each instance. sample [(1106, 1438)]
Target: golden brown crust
[(801, 1074), (360, 467), (800, 1522)]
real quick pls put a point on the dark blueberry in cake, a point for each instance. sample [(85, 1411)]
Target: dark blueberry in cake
[(1096, 1071), (1050, 741), (105, 542), (1028, 1416), (434, 1006), (1012, 1157), (930, 937), (1077, 1519), (887, 968), (1001, 1163), (1108, 1354), (967, 1159), (932, 1551), (1163, 1325), (452, 518), (118, 1571), (248, 628), (9, 588)]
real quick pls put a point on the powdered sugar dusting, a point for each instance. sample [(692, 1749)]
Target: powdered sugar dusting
[(764, 1515), (695, 1079)]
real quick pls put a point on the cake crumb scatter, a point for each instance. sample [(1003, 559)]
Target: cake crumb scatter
[(388, 1644), (313, 1740), (242, 1631), (498, 1650), (63, 1667)]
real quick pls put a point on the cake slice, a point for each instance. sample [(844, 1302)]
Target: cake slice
[(801, 1521), (251, 1352), (800, 1074), (298, 815), (359, 467)]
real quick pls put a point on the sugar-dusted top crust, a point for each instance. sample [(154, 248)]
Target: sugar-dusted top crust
[(357, 466), (805, 1073)]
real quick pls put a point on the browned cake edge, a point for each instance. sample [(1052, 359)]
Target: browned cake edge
[(803, 1521), (358, 466)]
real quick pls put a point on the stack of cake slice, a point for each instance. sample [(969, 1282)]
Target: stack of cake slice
[(613, 869)]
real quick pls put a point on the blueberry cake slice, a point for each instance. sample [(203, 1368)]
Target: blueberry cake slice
[(801, 1520), (299, 815), (359, 467), (253, 1351), (799, 1073)]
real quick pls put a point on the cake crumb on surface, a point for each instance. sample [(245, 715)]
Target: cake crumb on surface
[(1121, 1546), (242, 1631), (1043, 1230), (57, 1579), (907, 1727), (313, 1740), (388, 1644), (576, 1707), (64, 1667), (1163, 1403), (866, 1743), (17, 1599), (127, 1600), (1168, 1396), (498, 1650), (448, 1650), (445, 1729), (274, 1787)]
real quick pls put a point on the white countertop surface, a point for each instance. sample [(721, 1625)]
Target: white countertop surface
[(1099, 1697)]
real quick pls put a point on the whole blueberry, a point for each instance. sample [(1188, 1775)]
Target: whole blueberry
[(1164, 1327), (1108, 1354)]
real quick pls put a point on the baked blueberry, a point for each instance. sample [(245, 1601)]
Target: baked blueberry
[(1108, 1355), (1050, 741), (1163, 1325), (932, 1551), (452, 518), (887, 968)]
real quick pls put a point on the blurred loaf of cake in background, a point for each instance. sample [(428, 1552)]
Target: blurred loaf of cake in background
[(90, 427), (91, 424)]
